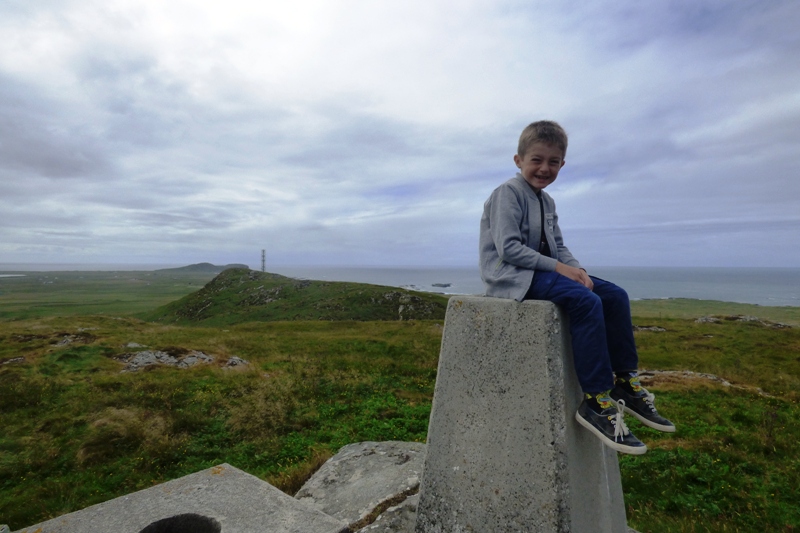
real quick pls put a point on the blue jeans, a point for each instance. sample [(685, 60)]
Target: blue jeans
[(600, 324)]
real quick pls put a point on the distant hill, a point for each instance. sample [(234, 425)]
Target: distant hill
[(203, 267), (243, 295)]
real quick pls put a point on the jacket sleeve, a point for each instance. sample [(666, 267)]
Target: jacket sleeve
[(505, 215)]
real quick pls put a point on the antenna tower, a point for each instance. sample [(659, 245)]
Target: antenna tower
[(263, 260)]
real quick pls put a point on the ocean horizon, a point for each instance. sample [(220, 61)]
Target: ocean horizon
[(761, 286)]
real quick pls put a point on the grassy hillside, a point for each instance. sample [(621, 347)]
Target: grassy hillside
[(239, 295)]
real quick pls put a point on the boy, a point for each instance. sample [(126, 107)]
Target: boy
[(522, 256)]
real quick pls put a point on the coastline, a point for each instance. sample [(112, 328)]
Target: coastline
[(769, 287)]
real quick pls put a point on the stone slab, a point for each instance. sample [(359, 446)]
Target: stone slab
[(505, 453), (236, 500), (363, 476)]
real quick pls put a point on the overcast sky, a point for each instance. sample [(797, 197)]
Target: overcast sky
[(371, 132)]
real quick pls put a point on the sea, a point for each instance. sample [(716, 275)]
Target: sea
[(761, 286)]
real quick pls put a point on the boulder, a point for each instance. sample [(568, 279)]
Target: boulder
[(363, 479)]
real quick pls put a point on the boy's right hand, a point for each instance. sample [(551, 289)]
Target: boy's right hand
[(575, 274)]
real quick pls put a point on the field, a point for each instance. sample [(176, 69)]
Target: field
[(44, 294), (78, 431)]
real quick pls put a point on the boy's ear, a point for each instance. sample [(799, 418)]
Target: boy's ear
[(518, 160), (562, 162)]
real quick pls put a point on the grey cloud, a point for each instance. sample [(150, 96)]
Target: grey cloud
[(38, 138), (723, 27), (143, 107)]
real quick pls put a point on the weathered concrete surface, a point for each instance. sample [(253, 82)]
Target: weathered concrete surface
[(362, 477), (239, 502), (504, 451)]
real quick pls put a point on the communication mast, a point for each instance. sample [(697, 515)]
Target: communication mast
[(263, 260)]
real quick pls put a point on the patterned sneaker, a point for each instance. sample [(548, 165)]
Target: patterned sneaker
[(641, 404), (609, 427)]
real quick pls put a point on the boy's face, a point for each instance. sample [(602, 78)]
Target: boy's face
[(540, 164)]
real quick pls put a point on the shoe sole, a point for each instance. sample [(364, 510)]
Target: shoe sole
[(622, 448), (646, 422)]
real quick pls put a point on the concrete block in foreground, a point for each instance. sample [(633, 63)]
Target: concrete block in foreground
[(222, 499), (505, 453)]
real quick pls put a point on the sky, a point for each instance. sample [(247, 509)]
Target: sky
[(370, 133)]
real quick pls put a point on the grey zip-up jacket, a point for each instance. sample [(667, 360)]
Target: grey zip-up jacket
[(509, 239)]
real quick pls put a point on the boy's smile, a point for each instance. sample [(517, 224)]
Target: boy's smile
[(541, 164)]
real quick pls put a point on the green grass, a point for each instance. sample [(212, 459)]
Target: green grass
[(734, 467), (77, 432), (45, 294), (734, 463)]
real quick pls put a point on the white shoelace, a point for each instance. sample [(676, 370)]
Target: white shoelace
[(650, 399), (620, 429)]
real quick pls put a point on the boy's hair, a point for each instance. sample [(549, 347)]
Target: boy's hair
[(545, 131)]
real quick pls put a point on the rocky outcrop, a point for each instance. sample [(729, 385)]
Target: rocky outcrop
[(741, 318), (138, 360), (135, 361)]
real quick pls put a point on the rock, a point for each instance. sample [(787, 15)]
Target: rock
[(742, 318), (235, 362), (648, 328), (138, 360), (400, 518), (193, 358), (135, 345), (361, 479), (65, 341)]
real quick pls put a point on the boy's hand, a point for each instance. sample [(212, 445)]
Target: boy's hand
[(575, 274)]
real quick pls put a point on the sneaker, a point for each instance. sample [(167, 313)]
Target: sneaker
[(609, 427), (641, 404)]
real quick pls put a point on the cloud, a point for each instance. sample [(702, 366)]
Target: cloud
[(33, 143), (357, 132)]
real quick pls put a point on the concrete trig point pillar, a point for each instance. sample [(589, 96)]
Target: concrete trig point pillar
[(505, 453)]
